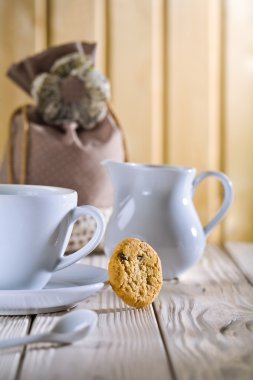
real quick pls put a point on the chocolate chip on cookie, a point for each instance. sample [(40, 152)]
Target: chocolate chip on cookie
[(135, 272)]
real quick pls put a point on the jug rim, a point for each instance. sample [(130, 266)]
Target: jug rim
[(176, 168)]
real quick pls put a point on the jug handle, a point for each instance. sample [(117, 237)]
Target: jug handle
[(227, 198)]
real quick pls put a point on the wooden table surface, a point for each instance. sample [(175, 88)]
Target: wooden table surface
[(200, 327)]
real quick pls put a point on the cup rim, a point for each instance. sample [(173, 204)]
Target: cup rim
[(23, 190)]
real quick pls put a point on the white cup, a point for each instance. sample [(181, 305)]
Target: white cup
[(35, 226)]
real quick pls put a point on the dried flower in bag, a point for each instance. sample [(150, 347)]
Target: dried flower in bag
[(72, 91), (53, 143)]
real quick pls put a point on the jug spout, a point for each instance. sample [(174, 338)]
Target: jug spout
[(112, 166), (114, 169), (109, 163)]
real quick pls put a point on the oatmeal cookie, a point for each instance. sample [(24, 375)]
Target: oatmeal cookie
[(135, 272)]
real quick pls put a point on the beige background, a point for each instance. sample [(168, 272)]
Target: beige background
[(182, 81)]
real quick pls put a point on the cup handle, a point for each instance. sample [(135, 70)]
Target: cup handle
[(227, 199), (66, 229)]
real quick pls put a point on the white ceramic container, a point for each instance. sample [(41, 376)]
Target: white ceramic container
[(35, 227), (155, 204)]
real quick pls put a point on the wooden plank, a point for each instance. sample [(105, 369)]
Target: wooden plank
[(187, 36), (41, 25), (207, 320), (136, 73), (157, 81), (101, 35), (242, 254), (125, 345), (17, 41), (11, 327), (71, 21), (238, 115), (214, 194), (80, 20), (193, 94)]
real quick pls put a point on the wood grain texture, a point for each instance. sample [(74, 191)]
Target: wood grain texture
[(242, 254), (71, 21), (176, 69), (16, 41), (136, 74), (193, 93), (207, 320), (40, 25), (80, 20), (125, 345), (11, 327), (215, 94), (238, 115)]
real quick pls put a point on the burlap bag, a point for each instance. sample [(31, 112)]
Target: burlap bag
[(66, 156)]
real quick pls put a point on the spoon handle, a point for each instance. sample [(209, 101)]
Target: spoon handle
[(8, 343)]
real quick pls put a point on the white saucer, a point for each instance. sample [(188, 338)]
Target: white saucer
[(65, 289)]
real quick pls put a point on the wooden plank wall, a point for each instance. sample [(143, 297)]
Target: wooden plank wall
[(181, 75)]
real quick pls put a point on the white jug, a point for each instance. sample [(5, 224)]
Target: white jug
[(154, 203)]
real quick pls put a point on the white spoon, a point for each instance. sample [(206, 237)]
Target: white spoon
[(68, 329)]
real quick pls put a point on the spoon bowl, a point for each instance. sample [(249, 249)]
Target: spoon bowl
[(68, 329), (75, 321)]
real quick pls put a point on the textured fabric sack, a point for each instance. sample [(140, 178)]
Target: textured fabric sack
[(43, 155), (64, 156)]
